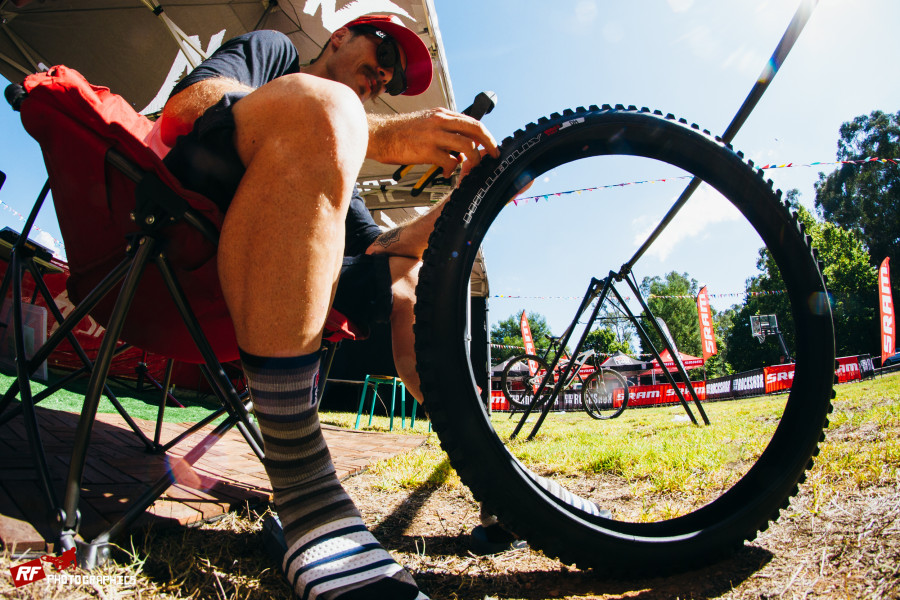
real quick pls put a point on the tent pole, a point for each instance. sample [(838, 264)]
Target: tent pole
[(181, 38), (25, 50)]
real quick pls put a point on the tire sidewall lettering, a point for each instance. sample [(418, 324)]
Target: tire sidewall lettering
[(498, 171)]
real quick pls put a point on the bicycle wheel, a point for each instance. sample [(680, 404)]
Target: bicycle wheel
[(673, 512), (604, 394), (518, 383)]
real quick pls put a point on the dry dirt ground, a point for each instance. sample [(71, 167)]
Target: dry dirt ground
[(845, 547)]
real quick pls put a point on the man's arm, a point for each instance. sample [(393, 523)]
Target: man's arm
[(411, 238), (424, 137)]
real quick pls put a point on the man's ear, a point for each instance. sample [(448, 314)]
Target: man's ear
[(340, 36)]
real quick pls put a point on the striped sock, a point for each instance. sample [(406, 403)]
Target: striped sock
[(331, 555), (566, 496)]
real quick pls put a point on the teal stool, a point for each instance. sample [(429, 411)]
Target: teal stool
[(375, 381)]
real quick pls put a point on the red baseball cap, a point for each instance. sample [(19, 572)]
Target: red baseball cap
[(418, 58)]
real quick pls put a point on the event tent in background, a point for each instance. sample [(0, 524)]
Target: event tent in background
[(623, 363), (689, 362)]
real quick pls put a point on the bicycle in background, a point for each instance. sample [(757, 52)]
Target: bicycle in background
[(603, 392)]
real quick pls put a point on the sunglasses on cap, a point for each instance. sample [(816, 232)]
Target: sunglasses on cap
[(388, 56)]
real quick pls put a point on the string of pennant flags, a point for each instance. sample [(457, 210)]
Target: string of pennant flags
[(631, 354), (23, 218), (867, 160), (686, 296), (527, 199)]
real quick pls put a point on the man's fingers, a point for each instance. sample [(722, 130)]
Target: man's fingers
[(468, 165), (476, 131)]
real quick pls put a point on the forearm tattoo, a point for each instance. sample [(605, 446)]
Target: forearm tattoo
[(388, 238)]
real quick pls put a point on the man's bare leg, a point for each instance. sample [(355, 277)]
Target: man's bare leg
[(405, 275), (302, 140)]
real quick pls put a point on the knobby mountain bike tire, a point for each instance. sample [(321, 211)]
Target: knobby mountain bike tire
[(486, 462), (519, 385), (604, 394)]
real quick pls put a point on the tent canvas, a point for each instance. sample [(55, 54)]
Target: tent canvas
[(141, 48), (124, 45), (497, 370), (622, 362), (690, 362)]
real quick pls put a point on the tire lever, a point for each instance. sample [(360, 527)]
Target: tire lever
[(483, 104)]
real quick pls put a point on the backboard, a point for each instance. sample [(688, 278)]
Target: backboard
[(763, 325)]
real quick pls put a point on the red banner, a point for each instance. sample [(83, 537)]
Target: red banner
[(848, 369), (498, 400), (779, 377), (888, 331), (528, 341), (645, 395), (707, 332)]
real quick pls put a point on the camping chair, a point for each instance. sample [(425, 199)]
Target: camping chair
[(141, 251)]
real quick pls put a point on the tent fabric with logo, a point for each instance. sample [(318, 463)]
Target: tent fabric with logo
[(141, 48), (689, 362)]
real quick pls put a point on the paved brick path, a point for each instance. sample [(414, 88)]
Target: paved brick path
[(119, 469)]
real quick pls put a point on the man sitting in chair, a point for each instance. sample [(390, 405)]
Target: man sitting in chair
[(279, 145)]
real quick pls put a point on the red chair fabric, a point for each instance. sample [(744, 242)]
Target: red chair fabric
[(76, 123)]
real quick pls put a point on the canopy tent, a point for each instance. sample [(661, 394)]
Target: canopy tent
[(141, 48), (497, 370), (622, 362), (689, 362)]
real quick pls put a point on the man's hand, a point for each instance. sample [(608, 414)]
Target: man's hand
[(428, 137)]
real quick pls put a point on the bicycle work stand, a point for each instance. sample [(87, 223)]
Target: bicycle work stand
[(599, 291)]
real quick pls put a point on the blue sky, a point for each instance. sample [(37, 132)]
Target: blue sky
[(695, 58)]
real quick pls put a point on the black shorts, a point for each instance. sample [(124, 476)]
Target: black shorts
[(364, 290), (205, 160)]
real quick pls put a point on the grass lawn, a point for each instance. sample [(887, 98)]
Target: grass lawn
[(648, 464), (139, 404)]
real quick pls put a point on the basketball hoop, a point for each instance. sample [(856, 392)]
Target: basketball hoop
[(762, 326)]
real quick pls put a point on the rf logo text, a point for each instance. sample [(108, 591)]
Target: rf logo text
[(33, 570)]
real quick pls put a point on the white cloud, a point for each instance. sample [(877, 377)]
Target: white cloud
[(45, 239), (744, 60), (586, 11), (680, 5), (701, 41), (705, 208), (613, 32)]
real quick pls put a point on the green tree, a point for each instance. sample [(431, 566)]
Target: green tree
[(765, 296), (717, 365), (851, 282), (672, 298), (612, 334), (865, 198), (604, 340), (509, 333)]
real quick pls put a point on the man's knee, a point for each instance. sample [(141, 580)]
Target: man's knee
[(304, 117)]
